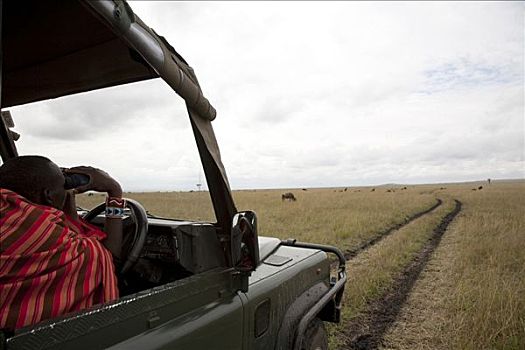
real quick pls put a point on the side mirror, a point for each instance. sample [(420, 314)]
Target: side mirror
[(245, 242)]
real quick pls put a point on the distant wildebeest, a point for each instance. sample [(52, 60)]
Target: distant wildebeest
[(288, 196), (346, 189), (443, 188), (373, 190), (388, 190), (473, 189), (404, 188), (488, 180), (304, 189), (90, 194), (480, 188)]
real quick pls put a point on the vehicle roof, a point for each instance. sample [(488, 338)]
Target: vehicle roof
[(47, 54)]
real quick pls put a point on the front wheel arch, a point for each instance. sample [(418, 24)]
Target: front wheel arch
[(287, 332)]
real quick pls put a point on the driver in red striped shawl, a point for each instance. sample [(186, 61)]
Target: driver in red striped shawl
[(52, 262)]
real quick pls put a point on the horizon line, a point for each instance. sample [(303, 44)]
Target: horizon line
[(345, 186)]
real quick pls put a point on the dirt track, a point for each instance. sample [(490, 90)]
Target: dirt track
[(367, 330), (349, 254)]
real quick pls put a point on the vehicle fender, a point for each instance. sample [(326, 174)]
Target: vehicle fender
[(295, 311)]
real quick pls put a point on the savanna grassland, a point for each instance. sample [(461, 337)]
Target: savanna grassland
[(451, 278)]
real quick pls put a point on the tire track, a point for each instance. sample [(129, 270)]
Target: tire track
[(350, 253), (366, 331)]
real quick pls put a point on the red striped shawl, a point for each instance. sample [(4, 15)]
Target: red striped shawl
[(50, 264)]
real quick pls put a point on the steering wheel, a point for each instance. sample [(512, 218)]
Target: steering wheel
[(140, 219)]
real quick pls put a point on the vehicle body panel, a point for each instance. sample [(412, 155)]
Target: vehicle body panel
[(281, 285), (108, 324), (199, 329)]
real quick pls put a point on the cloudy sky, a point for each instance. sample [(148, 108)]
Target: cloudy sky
[(310, 94)]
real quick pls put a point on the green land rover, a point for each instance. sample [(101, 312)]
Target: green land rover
[(216, 285)]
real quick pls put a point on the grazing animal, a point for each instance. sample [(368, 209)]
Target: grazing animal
[(346, 189), (404, 188), (388, 190), (480, 188), (304, 189), (90, 194), (288, 196), (473, 189), (373, 190)]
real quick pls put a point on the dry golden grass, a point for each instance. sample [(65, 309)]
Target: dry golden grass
[(345, 219), (472, 294)]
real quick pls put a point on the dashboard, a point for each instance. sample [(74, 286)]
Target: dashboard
[(173, 249)]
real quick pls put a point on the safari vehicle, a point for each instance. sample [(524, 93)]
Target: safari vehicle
[(207, 285)]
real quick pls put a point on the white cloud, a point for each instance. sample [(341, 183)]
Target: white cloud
[(311, 94)]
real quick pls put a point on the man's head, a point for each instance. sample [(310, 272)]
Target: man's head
[(36, 178)]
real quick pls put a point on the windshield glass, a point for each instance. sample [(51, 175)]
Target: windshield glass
[(139, 133)]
